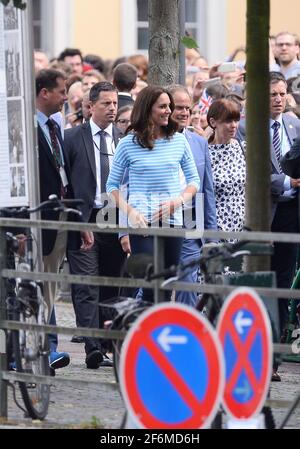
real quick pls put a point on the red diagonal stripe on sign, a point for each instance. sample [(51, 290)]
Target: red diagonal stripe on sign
[(172, 375), (243, 349)]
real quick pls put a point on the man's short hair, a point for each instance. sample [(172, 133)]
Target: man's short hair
[(275, 77), (178, 88), (47, 79), (95, 61), (283, 33), (102, 86), (70, 52), (125, 76), (95, 73)]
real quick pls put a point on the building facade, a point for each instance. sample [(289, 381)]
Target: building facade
[(119, 27)]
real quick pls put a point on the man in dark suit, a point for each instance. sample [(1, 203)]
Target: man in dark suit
[(89, 151), (124, 78), (290, 162), (54, 179), (285, 211), (190, 247)]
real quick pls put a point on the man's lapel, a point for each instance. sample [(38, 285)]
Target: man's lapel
[(45, 147), (89, 146), (289, 129), (117, 135), (291, 135)]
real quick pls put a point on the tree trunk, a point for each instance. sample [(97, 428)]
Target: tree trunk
[(257, 132), (164, 42)]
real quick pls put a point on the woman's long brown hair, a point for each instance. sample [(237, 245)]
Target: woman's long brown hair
[(140, 116)]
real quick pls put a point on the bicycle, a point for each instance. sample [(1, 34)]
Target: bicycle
[(212, 263), (28, 349)]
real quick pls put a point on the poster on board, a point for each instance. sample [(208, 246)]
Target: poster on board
[(13, 151)]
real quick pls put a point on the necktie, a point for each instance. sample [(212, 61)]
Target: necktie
[(104, 161), (54, 143), (277, 143), (56, 152)]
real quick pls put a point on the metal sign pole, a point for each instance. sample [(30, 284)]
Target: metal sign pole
[(31, 122)]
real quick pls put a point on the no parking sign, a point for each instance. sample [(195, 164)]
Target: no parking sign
[(244, 331), (171, 369)]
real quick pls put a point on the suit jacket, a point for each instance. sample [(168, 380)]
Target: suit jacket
[(50, 183), (200, 152), (292, 129), (290, 162), (79, 151), (125, 100)]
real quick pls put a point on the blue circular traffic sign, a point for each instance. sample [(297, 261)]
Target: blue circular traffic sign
[(171, 369), (245, 334)]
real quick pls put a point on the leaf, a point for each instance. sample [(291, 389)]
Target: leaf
[(17, 3), (189, 42)]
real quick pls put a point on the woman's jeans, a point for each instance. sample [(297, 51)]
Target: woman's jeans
[(172, 250)]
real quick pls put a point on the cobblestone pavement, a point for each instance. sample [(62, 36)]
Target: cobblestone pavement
[(75, 406), (102, 406)]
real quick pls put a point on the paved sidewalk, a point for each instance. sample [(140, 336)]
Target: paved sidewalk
[(76, 406), (101, 406)]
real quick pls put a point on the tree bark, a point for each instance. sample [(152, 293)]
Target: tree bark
[(164, 42), (257, 127)]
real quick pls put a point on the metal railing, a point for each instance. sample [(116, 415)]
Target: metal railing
[(157, 234)]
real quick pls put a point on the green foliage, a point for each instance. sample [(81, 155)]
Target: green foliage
[(95, 423), (17, 3), (189, 42)]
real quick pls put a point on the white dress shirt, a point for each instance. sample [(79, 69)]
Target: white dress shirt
[(111, 151), (285, 146)]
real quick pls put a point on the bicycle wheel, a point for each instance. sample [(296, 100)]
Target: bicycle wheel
[(117, 345), (210, 305), (123, 322), (31, 355)]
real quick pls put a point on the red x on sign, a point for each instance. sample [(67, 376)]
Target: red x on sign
[(244, 331)]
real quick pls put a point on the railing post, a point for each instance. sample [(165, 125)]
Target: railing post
[(3, 355), (158, 266)]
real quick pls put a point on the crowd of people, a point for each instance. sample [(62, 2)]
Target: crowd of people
[(104, 131)]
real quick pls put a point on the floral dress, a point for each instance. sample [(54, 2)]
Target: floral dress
[(228, 164)]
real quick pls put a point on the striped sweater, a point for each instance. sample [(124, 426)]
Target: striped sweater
[(154, 175)]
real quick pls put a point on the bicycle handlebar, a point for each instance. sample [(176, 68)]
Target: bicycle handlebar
[(53, 203), (141, 265), (224, 250)]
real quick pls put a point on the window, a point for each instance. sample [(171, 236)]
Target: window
[(37, 21), (142, 25), (142, 21), (191, 23)]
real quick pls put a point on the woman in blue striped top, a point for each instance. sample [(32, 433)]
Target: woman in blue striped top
[(153, 154)]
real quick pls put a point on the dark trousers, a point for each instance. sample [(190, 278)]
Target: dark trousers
[(284, 259), (104, 259), (172, 249)]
